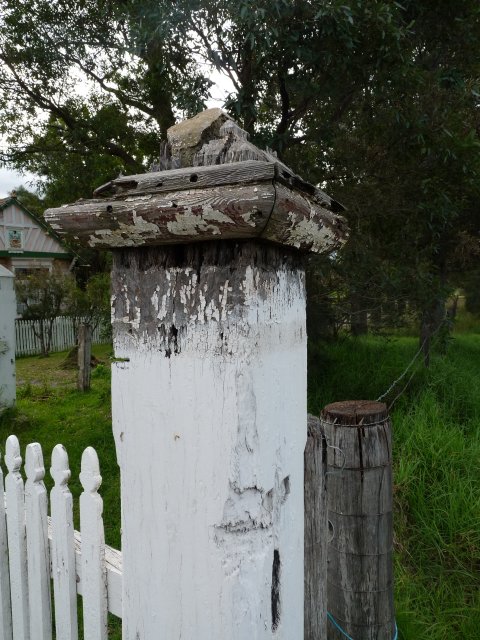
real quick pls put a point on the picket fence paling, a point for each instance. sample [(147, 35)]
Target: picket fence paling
[(38, 549), (93, 554), (17, 540), (63, 336), (35, 548), (5, 601), (63, 548)]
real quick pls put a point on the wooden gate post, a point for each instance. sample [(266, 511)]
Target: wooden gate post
[(360, 554), (209, 387)]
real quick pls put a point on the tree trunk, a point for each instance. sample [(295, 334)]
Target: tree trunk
[(84, 356), (452, 312), (48, 345), (358, 316), (41, 336), (432, 319)]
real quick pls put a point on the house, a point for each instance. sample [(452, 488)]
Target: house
[(27, 243)]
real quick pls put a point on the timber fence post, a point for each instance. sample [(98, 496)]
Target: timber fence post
[(316, 531), (209, 386), (360, 553)]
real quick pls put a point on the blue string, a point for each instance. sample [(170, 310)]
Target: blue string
[(337, 626)]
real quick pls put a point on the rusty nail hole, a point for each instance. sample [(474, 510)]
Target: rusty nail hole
[(193, 177)]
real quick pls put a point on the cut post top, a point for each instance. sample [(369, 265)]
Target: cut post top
[(210, 183), (355, 413)]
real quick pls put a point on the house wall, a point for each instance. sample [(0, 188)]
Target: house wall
[(21, 237)]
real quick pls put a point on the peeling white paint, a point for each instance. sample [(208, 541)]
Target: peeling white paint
[(190, 225), (248, 218), (126, 235), (143, 225), (210, 443), (187, 223), (213, 215), (139, 198), (309, 232)]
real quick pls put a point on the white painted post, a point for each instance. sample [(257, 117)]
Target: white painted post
[(210, 415), (94, 574), (5, 600), (17, 548), (63, 548), (8, 307), (38, 550)]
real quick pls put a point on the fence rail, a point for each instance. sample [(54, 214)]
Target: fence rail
[(38, 550), (63, 336)]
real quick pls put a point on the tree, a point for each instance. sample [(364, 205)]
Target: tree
[(412, 178), (90, 304), (139, 62), (43, 296), (376, 100), (30, 200), (126, 102)]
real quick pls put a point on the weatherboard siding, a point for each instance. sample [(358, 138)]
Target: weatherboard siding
[(35, 238)]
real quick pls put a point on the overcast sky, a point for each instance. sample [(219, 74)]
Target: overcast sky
[(11, 179)]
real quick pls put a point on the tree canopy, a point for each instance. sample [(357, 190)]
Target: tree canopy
[(377, 101)]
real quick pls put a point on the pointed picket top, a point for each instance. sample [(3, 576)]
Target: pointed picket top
[(90, 474), (6, 632), (38, 552), (13, 459), (94, 575), (17, 543), (63, 548), (60, 470), (34, 467)]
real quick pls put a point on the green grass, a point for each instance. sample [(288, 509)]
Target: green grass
[(436, 424), (436, 427)]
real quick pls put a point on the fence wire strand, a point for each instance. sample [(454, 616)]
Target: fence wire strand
[(410, 365)]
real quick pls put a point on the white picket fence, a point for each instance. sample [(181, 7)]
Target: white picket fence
[(63, 336), (37, 551)]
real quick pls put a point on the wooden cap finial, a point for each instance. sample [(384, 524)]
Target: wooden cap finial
[(219, 186)]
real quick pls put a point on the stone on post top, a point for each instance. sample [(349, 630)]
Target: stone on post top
[(218, 186)]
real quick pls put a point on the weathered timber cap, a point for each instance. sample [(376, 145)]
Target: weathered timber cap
[(218, 186)]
